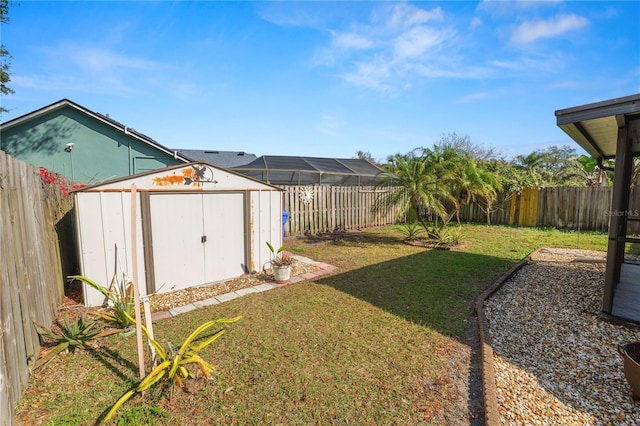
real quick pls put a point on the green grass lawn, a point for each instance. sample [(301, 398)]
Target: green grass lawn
[(366, 345)]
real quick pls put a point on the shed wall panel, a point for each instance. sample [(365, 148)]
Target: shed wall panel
[(198, 238), (224, 227), (176, 228), (104, 229)]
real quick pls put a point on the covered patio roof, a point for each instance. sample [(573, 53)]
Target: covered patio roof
[(611, 129), (595, 126)]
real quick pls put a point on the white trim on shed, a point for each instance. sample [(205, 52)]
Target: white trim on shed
[(196, 224)]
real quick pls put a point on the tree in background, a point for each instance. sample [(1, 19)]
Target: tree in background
[(362, 155), (5, 57), (554, 166), (459, 163), (439, 180), (464, 146)]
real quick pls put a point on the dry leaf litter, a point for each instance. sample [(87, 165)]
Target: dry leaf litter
[(556, 359)]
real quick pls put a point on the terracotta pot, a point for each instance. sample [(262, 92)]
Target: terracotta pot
[(631, 354), (281, 273)]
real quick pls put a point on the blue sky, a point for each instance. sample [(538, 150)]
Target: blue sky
[(326, 79)]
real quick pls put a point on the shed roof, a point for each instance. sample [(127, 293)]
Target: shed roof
[(66, 103), (196, 176), (219, 158), (595, 126)]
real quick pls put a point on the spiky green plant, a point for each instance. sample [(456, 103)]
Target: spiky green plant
[(73, 334), (172, 365), (410, 230), (446, 236), (120, 294)]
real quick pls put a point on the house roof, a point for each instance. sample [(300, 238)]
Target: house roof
[(288, 170), (348, 166), (595, 126), (224, 159), (66, 103)]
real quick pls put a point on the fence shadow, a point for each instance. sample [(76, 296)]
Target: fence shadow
[(345, 237)]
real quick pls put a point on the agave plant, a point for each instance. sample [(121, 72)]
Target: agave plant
[(172, 365), (120, 295), (71, 336), (411, 230)]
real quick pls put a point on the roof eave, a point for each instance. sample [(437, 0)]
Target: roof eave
[(104, 119), (603, 118)]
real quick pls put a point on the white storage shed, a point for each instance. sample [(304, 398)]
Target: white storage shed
[(195, 224)]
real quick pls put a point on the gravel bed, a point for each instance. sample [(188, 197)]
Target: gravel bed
[(556, 360), (174, 299)]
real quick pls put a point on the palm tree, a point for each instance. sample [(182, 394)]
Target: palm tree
[(416, 188), (447, 164), (486, 191)]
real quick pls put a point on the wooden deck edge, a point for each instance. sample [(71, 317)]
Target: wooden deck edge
[(491, 413)]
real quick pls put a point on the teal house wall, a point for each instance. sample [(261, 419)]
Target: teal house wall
[(82, 145)]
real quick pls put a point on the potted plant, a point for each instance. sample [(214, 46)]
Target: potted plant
[(280, 264)]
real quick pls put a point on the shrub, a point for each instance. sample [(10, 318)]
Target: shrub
[(447, 236), (173, 364), (410, 230)]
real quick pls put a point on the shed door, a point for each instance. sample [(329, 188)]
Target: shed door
[(197, 238)]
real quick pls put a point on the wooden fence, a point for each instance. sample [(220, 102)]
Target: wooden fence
[(316, 209), (322, 208), (576, 208), (31, 280)]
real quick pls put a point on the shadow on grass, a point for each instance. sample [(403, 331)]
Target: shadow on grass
[(115, 363), (345, 237), (433, 288)]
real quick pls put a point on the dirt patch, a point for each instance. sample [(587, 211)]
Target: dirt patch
[(423, 242)]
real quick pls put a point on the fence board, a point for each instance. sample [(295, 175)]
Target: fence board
[(31, 283), (348, 208), (333, 208), (577, 208)]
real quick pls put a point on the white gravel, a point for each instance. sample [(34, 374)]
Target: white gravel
[(556, 360)]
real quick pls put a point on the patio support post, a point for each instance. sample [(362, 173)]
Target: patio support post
[(618, 216)]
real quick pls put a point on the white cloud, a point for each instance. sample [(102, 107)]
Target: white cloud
[(386, 51), (569, 84), (404, 16), (417, 41), (531, 31), (82, 68), (475, 23), (101, 60), (352, 41), (372, 75), (403, 46), (472, 98), (546, 63), (331, 124), (501, 8)]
